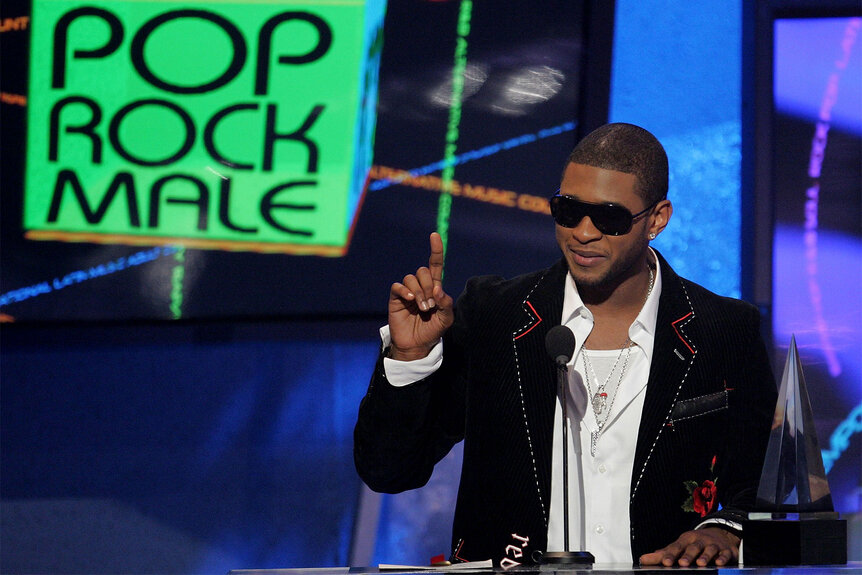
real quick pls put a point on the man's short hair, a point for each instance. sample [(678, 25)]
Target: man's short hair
[(630, 149)]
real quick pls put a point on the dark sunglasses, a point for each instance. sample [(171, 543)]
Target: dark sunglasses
[(610, 219)]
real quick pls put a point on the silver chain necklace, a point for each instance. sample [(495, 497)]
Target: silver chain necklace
[(599, 399)]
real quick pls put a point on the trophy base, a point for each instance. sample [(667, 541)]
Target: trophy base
[(567, 558), (809, 540)]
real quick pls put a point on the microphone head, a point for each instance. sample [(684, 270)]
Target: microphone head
[(560, 344)]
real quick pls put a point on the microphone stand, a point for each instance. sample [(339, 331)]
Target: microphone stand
[(567, 557)]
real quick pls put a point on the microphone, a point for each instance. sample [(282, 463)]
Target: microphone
[(560, 345)]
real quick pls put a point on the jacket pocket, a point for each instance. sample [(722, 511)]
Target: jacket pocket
[(701, 405)]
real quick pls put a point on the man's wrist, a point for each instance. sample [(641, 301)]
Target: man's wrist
[(726, 525), (410, 354)]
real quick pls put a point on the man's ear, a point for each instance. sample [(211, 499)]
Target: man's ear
[(660, 217)]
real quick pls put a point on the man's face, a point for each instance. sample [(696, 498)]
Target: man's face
[(595, 259)]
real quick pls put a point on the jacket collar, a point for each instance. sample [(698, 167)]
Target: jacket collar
[(674, 354), (542, 309), (543, 305)]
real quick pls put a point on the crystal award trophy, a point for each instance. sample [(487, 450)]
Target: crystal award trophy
[(794, 522)]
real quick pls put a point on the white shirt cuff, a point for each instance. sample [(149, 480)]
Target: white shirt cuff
[(401, 373), (720, 521)]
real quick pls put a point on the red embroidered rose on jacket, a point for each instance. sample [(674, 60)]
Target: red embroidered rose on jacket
[(703, 497)]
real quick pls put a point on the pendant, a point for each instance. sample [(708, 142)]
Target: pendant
[(599, 400)]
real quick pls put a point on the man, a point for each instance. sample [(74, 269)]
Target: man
[(670, 391)]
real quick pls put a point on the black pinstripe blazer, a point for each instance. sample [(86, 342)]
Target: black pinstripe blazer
[(710, 397)]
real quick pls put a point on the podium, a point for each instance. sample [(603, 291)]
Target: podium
[(596, 569)]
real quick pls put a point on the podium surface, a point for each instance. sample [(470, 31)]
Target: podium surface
[(851, 568)]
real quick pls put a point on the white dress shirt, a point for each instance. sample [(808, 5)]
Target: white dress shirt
[(603, 505)]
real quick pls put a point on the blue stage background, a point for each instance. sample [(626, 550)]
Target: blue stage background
[(204, 447)]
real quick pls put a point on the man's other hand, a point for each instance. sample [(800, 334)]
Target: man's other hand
[(697, 548)]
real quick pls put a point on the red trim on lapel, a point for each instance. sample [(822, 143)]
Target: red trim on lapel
[(538, 317), (458, 550), (678, 334)]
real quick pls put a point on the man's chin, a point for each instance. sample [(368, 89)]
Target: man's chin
[(594, 280)]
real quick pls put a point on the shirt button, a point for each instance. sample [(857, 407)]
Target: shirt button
[(602, 468)]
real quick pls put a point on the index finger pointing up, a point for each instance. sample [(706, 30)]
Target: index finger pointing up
[(435, 261)]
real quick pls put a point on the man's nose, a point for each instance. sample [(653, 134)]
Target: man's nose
[(585, 230)]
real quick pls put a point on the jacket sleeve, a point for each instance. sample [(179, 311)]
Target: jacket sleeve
[(403, 431)]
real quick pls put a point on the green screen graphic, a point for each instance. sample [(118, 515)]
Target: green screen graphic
[(223, 125)]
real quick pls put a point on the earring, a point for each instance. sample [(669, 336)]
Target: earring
[(652, 235)]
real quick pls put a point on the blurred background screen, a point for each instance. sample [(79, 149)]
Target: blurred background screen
[(151, 175), (817, 238)]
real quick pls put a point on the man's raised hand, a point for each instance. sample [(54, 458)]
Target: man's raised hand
[(419, 310)]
